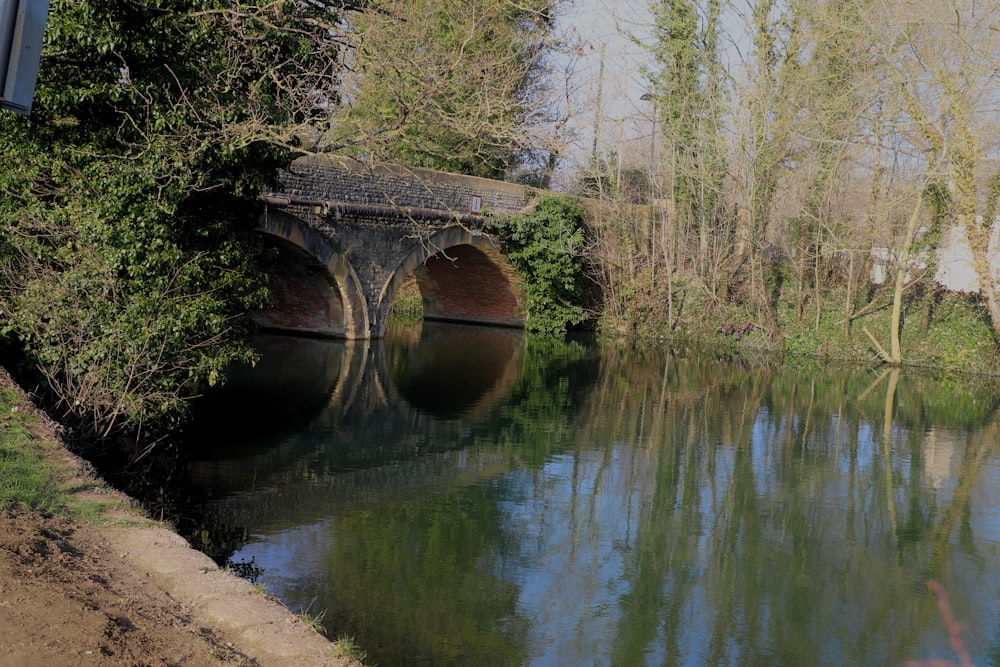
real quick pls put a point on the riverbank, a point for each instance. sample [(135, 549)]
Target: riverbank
[(940, 332), (87, 579)]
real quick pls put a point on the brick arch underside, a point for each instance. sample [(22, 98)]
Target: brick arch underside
[(463, 277), (314, 290)]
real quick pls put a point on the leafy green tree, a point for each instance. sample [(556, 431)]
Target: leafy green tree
[(449, 85), (127, 199), (679, 92)]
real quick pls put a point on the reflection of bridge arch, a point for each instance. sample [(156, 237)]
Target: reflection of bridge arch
[(294, 382), (462, 276), (315, 288), (456, 372), (368, 403)]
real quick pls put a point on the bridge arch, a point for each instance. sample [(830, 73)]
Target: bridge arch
[(315, 287), (462, 276)]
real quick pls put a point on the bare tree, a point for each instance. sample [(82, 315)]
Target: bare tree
[(449, 85), (940, 75)]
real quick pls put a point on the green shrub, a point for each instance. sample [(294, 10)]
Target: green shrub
[(546, 247)]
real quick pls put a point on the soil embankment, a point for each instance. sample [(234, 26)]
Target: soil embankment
[(127, 591)]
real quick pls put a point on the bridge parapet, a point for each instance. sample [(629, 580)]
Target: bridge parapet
[(341, 179)]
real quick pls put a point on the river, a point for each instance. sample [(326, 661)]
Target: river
[(464, 496)]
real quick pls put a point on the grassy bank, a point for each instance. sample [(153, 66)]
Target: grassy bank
[(37, 473), (940, 330), (58, 521), (407, 307), (27, 479)]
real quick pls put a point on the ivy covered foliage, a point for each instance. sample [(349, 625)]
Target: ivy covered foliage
[(547, 247), (127, 256)]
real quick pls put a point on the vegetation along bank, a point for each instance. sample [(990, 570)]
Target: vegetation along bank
[(745, 214)]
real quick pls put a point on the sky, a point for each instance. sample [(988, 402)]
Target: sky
[(601, 28), (626, 126)]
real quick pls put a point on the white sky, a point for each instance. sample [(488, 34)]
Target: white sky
[(601, 27), (626, 125)]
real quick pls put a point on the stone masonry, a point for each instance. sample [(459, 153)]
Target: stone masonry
[(352, 233)]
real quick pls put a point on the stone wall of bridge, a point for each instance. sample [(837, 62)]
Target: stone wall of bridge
[(368, 228), (340, 179)]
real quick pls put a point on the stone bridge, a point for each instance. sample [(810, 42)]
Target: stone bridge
[(351, 234)]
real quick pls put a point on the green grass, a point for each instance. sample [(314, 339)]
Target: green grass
[(346, 646), (88, 511), (27, 482), (942, 331), (314, 621)]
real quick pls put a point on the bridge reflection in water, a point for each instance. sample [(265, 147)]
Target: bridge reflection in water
[(356, 418)]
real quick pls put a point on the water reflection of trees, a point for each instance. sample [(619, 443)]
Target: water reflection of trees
[(626, 508), (426, 578), (783, 524), (429, 575)]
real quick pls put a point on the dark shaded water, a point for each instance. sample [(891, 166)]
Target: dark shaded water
[(461, 497)]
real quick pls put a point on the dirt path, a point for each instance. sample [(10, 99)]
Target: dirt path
[(130, 592)]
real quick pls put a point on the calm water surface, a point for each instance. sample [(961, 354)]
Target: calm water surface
[(459, 496)]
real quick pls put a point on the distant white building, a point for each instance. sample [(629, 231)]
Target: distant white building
[(954, 261)]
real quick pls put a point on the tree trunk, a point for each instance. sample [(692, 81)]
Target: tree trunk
[(895, 355), (979, 243), (896, 350)]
